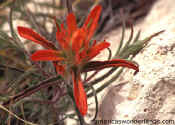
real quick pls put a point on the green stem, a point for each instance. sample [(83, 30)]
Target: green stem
[(30, 91), (106, 84), (70, 93)]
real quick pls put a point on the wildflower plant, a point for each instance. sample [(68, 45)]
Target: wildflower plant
[(71, 56), (76, 53)]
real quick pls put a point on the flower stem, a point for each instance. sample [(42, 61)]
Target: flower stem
[(70, 93)]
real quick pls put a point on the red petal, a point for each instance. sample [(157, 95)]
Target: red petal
[(94, 43), (71, 23), (29, 34), (83, 55), (62, 37), (98, 65), (92, 21), (95, 50), (77, 39), (60, 69), (46, 55), (79, 94)]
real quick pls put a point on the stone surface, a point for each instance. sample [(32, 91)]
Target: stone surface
[(150, 94)]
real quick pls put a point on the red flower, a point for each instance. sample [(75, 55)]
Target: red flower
[(76, 52)]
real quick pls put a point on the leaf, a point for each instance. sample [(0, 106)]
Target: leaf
[(13, 114)]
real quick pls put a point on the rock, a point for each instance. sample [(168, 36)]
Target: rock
[(150, 94)]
